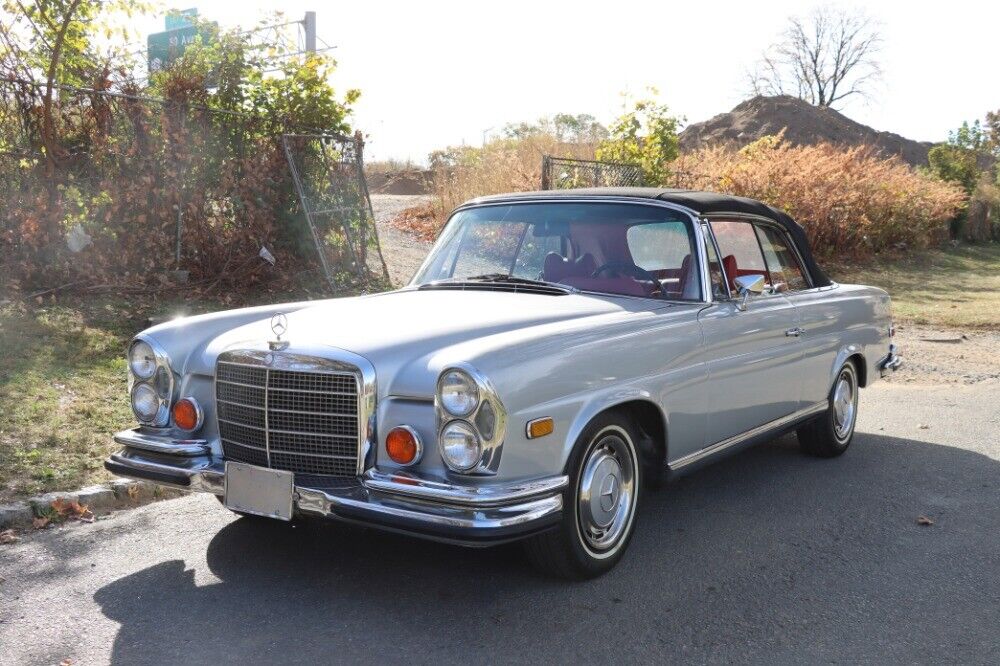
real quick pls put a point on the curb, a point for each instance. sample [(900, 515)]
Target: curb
[(102, 498)]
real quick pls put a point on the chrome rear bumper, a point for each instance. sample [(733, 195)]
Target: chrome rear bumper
[(890, 363), (468, 515)]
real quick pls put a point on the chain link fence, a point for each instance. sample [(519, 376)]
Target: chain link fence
[(138, 190), (559, 173), (328, 170)]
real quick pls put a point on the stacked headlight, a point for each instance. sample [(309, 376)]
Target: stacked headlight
[(470, 422), (151, 383)]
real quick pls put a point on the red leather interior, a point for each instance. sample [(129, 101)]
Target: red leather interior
[(729, 266), (557, 267), (617, 285), (685, 275)]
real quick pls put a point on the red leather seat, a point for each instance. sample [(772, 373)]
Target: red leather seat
[(729, 266), (557, 268), (685, 275)]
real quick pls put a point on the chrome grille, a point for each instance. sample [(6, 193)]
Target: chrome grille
[(293, 418)]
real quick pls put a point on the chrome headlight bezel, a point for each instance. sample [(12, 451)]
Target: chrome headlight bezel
[(161, 381), (454, 387), (487, 420)]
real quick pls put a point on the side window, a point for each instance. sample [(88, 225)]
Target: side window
[(741, 254), (783, 264)]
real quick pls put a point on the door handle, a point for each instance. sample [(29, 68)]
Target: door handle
[(794, 332)]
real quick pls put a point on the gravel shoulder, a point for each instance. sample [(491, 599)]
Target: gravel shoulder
[(403, 252)]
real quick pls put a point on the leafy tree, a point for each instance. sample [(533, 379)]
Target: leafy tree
[(646, 135), (960, 159), (565, 127)]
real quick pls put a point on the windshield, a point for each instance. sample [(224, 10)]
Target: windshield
[(612, 248)]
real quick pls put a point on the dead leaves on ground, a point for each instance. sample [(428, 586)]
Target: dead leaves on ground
[(61, 510), (925, 521), (8, 536)]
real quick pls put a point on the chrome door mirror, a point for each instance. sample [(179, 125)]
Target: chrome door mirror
[(746, 285)]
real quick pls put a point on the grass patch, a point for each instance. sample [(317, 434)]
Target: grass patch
[(62, 387), (955, 288)]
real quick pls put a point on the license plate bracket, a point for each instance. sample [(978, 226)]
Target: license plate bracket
[(259, 491)]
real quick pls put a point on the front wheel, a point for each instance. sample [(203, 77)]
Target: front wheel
[(599, 503), (830, 434)]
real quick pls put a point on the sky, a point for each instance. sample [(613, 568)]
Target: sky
[(434, 74)]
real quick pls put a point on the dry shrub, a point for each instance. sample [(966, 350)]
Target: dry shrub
[(851, 202), (504, 165)]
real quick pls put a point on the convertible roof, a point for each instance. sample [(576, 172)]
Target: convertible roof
[(703, 203)]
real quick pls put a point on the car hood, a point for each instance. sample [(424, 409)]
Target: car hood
[(428, 328)]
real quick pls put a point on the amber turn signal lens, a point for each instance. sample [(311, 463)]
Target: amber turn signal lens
[(187, 414), (540, 427), (403, 445)]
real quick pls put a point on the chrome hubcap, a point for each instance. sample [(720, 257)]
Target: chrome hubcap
[(607, 492), (844, 405)]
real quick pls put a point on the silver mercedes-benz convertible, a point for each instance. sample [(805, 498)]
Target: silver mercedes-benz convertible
[(556, 354)]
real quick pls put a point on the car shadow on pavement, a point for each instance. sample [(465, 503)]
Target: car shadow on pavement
[(770, 553)]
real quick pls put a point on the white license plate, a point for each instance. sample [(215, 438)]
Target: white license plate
[(259, 491)]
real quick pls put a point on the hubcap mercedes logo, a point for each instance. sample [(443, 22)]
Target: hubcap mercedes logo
[(279, 324), (609, 493)]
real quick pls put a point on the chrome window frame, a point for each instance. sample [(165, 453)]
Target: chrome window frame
[(338, 361), (760, 219), (693, 217)]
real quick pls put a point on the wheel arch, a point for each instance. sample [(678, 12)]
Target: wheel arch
[(855, 354), (645, 414)]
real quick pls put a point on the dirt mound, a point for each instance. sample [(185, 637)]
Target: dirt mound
[(408, 182), (804, 124)]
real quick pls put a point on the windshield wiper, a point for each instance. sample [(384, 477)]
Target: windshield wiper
[(504, 277)]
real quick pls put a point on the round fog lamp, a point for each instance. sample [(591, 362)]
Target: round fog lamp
[(460, 446), (459, 394), (145, 403), (142, 360), (187, 414), (403, 445)]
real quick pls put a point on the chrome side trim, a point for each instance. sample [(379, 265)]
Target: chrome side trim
[(749, 434), (174, 446), (446, 493)]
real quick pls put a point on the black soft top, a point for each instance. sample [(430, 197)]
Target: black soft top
[(702, 203)]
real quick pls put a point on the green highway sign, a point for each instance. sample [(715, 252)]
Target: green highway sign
[(179, 19), (163, 48)]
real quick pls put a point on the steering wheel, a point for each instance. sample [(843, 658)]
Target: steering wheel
[(637, 273)]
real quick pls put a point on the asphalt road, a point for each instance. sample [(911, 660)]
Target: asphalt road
[(768, 557)]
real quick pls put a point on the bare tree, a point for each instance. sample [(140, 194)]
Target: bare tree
[(823, 59)]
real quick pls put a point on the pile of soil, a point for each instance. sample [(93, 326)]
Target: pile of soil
[(408, 182), (804, 124)]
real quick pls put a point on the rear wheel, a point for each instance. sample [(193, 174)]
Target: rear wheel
[(831, 433), (599, 503)]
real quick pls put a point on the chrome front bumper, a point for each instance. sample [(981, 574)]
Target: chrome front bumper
[(468, 515)]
